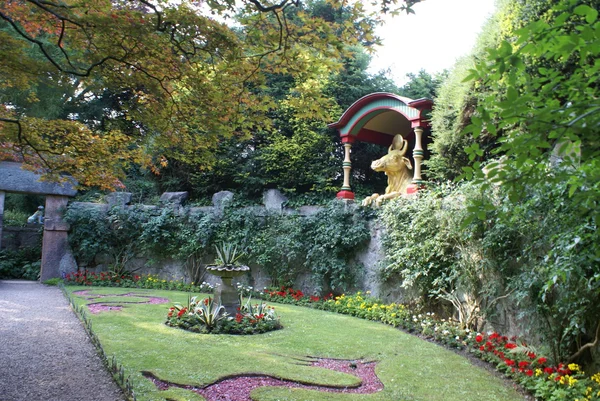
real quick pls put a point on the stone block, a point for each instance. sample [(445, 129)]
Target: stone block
[(176, 198), (273, 199), (118, 199), (15, 179), (221, 199)]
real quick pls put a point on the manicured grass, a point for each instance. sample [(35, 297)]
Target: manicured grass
[(410, 368)]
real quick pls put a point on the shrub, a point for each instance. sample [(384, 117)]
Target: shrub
[(21, 264)]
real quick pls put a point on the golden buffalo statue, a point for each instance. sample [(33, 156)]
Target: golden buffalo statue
[(396, 167)]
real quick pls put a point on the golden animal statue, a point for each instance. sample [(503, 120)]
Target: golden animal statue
[(396, 167)]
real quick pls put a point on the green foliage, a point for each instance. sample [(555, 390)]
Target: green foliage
[(227, 255), (207, 316), (332, 237), (421, 240), (21, 264), (54, 281), (423, 84), (322, 245), (543, 112), (454, 105), (15, 218), (536, 253)]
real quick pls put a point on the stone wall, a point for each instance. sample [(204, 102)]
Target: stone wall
[(273, 201), (14, 238)]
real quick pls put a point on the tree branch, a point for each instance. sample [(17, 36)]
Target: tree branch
[(586, 346)]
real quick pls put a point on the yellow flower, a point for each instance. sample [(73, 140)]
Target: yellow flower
[(573, 367), (596, 378), (538, 372)]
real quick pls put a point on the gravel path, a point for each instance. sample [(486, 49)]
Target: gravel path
[(45, 353)]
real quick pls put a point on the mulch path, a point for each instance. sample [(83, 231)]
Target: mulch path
[(97, 307), (238, 388)]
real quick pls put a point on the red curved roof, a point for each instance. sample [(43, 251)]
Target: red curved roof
[(419, 104)]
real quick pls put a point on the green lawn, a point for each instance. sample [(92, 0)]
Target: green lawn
[(410, 368)]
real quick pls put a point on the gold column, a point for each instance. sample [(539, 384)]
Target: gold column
[(418, 156)]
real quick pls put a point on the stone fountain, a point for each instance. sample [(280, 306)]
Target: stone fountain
[(226, 294)]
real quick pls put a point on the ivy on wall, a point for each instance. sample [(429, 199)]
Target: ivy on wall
[(534, 254), (286, 246)]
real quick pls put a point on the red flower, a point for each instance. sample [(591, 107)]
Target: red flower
[(541, 360), (531, 355), (510, 345), (479, 338), (548, 370), (181, 312), (494, 336), (529, 372), (238, 317), (509, 362), (482, 348), (314, 298), (523, 364)]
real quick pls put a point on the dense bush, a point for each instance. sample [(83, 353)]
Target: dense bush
[(535, 254), (24, 263)]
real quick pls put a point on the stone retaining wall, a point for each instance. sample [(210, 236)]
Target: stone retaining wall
[(14, 238), (273, 200)]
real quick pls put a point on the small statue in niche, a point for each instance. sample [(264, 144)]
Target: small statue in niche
[(396, 167), (37, 217)]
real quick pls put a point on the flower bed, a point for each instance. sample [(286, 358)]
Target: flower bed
[(513, 357), (208, 317)]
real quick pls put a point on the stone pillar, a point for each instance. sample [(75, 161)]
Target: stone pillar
[(346, 192), (55, 247), (418, 156), (1, 215)]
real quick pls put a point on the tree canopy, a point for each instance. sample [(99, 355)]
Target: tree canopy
[(89, 87)]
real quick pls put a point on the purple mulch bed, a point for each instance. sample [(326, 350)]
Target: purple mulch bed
[(97, 307), (238, 388)]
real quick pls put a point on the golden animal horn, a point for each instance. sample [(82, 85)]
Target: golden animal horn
[(404, 147)]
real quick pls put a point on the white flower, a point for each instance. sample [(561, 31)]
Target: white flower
[(445, 332)]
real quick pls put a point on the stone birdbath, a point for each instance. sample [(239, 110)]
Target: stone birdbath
[(227, 268)]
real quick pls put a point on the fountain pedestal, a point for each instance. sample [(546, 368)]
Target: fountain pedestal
[(226, 294)]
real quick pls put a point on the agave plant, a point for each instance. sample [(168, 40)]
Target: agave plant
[(227, 254), (207, 312)]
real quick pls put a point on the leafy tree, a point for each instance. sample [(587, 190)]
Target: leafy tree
[(188, 75), (543, 112), (455, 101), (423, 84)]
